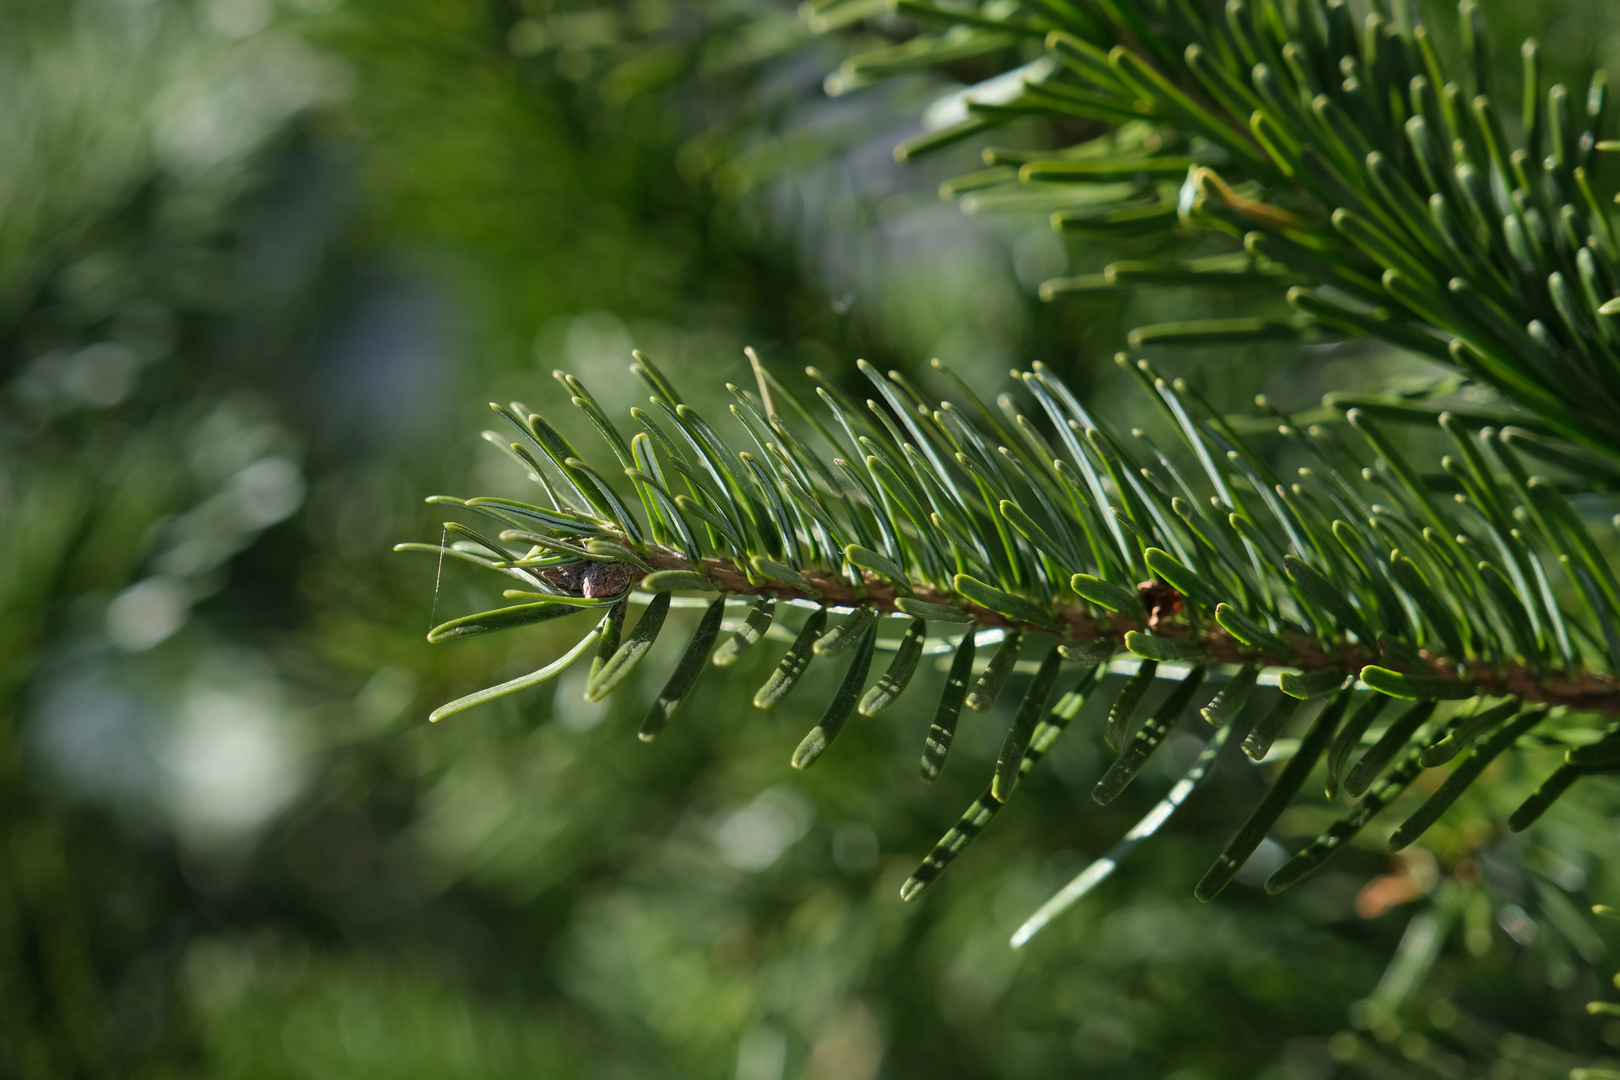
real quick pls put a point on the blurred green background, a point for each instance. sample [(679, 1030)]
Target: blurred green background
[(262, 262)]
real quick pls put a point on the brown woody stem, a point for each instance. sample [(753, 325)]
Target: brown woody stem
[(1588, 691)]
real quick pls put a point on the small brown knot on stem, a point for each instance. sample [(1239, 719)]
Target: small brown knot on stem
[(1161, 601), (591, 579)]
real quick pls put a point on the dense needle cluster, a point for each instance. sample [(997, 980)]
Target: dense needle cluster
[(1350, 165)]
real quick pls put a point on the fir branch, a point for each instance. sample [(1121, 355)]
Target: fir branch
[(1336, 606), (1058, 525)]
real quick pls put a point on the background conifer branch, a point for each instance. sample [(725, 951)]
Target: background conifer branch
[(1357, 169)]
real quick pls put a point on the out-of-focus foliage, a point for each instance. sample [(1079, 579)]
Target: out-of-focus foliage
[(266, 263), (137, 457)]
